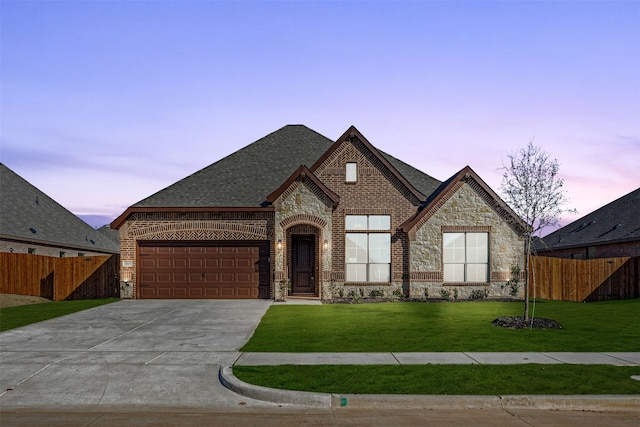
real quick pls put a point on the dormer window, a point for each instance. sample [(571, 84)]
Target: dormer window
[(351, 172)]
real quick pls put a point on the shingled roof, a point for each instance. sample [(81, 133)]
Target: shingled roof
[(246, 177), (618, 221), (28, 214)]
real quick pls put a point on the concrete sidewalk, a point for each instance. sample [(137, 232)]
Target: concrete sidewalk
[(439, 358)]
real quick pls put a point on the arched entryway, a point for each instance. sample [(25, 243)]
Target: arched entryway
[(303, 260)]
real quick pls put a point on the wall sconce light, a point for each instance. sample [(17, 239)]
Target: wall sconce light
[(279, 244), (325, 245)]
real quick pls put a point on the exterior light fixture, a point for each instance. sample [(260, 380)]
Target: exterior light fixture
[(279, 244), (325, 245)]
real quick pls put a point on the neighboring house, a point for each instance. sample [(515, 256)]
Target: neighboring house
[(611, 231), (296, 213), (32, 222)]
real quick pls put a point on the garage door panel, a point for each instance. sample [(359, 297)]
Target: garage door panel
[(203, 271), (196, 278), (180, 262), (164, 278)]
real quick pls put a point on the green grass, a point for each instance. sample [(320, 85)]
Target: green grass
[(464, 326), (446, 379), (14, 317)]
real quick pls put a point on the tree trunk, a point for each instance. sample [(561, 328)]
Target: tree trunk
[(527, 251)]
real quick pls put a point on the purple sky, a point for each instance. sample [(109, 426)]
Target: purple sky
[(105, 103)]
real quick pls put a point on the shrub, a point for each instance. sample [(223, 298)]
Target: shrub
[(479, 294), (376, 293)]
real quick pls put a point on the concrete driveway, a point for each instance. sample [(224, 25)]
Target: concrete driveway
[(127, 355)]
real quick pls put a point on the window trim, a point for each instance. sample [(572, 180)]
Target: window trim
[(465, 264), (368, 232), (351, 174)]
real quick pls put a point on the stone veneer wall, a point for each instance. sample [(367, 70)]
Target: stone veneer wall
[(187, 226), (303, 203), (465, 210)]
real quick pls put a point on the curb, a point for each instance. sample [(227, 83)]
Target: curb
[(305, 398), (544, 402), (397, 401)]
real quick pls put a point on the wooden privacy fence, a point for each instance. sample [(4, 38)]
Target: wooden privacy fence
[(59, 278), (584, 280)]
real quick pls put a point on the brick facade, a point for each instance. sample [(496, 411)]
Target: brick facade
[(314, 203), (187, 226)]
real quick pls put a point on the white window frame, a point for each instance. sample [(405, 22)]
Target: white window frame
[(465, 257), (368, 248), (351, 172)]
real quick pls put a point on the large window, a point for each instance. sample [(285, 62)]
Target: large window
[(368, 248), (466, 257)]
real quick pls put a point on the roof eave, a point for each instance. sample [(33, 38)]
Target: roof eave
[(548, 248), (117, 223), (53, 244)]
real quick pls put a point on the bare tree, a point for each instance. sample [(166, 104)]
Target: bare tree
[(532, 188)]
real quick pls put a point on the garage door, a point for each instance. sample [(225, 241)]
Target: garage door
[(183, 270)]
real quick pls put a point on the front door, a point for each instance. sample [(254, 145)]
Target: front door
[(303, 264)]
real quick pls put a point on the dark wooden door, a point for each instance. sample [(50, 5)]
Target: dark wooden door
[(303, 268)]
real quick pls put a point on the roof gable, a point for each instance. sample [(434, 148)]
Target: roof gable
[(240, 181), (303, 172), (353, 134), (617, 221), (449, 187), (30, 215)]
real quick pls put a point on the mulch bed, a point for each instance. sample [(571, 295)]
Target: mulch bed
[(515, 322)]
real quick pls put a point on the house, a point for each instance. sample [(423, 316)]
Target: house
[(297, 214), (32, 222), (611, 231)]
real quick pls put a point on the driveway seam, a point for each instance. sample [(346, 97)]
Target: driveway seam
[(26, 379), (131, 330), (155, 358)]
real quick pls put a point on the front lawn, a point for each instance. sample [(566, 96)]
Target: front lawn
[(14, 317), (446, 379), (461, 326)]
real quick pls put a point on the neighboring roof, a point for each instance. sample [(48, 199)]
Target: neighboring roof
[(243, 179), (27, 214), (303, 172), (431, 204), (619, 221)]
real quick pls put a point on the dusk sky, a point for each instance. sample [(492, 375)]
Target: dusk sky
[(104, 103)]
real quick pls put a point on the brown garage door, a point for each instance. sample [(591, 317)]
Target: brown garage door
[(183, 270)]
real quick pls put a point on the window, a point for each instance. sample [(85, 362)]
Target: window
[(465, 257), (351, 172), (62, 254), (367, 249), (31, 250)]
